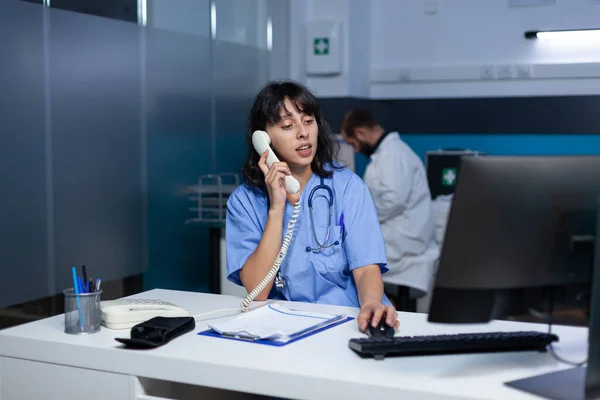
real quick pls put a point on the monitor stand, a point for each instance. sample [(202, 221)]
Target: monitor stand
[(568, 384)]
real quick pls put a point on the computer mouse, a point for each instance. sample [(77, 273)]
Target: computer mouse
[(381, 330)]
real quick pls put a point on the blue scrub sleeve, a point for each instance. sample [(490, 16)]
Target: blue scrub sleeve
[(363, 239), (242, 233)]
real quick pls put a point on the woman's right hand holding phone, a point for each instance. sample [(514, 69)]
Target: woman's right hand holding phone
[(275, 182)]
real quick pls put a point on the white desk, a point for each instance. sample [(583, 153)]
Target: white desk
[(39, 361)]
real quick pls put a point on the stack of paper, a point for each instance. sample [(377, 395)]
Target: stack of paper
[(274, 322)]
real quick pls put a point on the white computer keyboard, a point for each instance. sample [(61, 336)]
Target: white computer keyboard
[(125, 313)]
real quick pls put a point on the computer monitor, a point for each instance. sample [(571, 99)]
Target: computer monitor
[(515, 222), (520, 222)]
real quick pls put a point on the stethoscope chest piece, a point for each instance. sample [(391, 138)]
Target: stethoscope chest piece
[(279, 282)]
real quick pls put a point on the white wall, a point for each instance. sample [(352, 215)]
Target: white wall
[(464, 35)]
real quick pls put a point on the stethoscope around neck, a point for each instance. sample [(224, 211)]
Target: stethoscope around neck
[(320, 245), (279, 281)]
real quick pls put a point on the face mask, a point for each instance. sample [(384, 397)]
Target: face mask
[(366, 148)]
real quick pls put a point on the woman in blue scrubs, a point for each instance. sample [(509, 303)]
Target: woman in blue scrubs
[(333, 258)]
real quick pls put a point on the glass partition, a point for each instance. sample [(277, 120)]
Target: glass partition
[(96, 145), (106, 124), (23, 159), (180, 150), (239, 73), (124, 10)]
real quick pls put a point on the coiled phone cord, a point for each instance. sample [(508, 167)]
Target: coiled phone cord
[(284, 247)]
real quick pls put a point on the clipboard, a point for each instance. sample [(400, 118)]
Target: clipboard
[(272, 342)]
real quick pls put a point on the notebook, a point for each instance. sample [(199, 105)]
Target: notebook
[(275, 323)]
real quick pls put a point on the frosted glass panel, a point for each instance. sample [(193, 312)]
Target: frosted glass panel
[(23, 239), (279, 14), (183, 16), (242, 22), (240, 72), (180, 149), (96, 145), (242, 69)]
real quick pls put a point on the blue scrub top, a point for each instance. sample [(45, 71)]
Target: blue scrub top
[(323, 276)]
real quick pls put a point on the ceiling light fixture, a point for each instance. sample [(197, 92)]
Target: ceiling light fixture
[(580, 35)]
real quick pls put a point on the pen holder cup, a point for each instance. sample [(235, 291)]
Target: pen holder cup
[(82, 312)]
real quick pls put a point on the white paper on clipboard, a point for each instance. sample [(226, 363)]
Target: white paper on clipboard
[(274, 322)]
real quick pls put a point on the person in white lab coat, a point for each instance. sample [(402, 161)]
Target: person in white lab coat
[(397, 181)]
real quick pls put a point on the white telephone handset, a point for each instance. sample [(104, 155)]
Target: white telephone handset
[(261, 141)]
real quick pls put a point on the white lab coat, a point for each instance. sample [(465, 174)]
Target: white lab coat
[(397, 181)]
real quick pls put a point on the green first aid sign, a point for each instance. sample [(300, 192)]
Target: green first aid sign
[(321, 46), (448, 176)]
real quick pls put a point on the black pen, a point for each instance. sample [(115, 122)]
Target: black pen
[(83, 270)]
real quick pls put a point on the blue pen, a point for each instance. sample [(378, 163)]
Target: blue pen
[(75, 281), (76, 289), (341, 223)]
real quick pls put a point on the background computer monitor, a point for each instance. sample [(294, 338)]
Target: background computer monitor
[(519, 223), (516, 222)]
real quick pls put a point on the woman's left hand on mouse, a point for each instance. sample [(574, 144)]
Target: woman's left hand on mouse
[(374, 312)]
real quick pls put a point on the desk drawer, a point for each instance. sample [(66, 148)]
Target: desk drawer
[(31, 380)]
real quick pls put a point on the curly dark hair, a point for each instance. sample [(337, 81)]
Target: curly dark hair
[(266, 110)]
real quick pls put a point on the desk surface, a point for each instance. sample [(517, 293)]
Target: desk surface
[(319, 366)]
